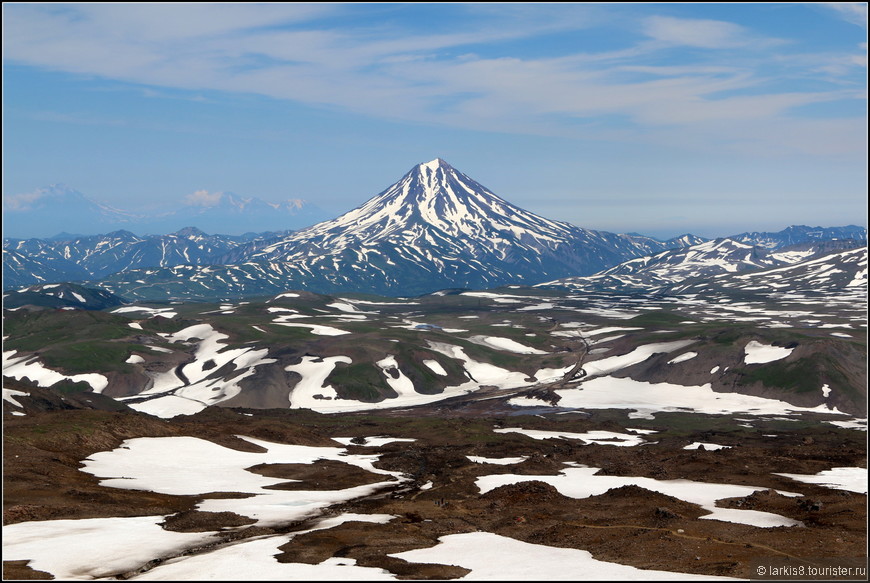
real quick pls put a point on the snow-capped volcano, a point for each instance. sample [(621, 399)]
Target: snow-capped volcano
[(435, 228), (436, 199), (436, 219)]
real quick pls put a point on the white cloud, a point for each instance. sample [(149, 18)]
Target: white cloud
[(854, 12), (21, 202), (425, 78), (708, 34), (203, 198)]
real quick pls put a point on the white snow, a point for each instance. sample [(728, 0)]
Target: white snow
[(599, 437), (192, 466), (582, 482), (606, 330), (851, 479), (500, 343), (403, 386), (683, 357), (639, 354), (493, 557), (134, 359), (317, 329), (541, 306), (859, 424), (10, 394), (707, 446), (487, 374), (343, 307), (758, 353), (168, 406), (285, 295), (29, 367), (648, 398), (255, 560), (102, 547), (502, 461), (314, 371), (376, 441), (436, 367), (164, 312), (826, 390), (171, 396), (95, 547)]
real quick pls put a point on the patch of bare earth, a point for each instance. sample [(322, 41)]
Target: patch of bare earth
[(628, 525)]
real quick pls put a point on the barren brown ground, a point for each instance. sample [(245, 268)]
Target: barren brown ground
[(627, 525)]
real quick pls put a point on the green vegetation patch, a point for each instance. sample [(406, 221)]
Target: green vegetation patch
[(801, 376), (363, 381), (87, 357), (39, 330), (656, 319)]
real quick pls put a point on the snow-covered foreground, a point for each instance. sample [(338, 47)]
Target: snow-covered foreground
[(492, 557), (851, 479), (93, 548), (101, 548), (600, 437), (254, 560), (581, 482), (189, 466)]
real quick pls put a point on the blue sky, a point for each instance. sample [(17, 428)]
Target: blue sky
[(654, 118)]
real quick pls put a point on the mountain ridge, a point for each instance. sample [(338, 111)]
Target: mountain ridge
[(434, 228)]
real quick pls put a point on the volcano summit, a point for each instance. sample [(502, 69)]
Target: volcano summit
[(435, 228)]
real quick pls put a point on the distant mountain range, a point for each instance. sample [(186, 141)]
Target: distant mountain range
[(435, 228), (77, 258), (56, 209), (801, 234), (694, 266)]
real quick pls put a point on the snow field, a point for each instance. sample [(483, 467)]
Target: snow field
[(758, 353), (600, 437), (645, 399), (851, 479), (582, 482), (492, 557), (500, 343), (29, 367)]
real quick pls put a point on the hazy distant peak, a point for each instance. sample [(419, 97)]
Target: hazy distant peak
[(190, 232), (39, 197)]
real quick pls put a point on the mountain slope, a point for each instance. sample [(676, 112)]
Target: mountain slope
[(652, 272), (435, 228), (840, 271), (61, 296), (677, 270)]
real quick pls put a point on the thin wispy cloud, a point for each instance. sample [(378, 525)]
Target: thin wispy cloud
[(854, 12), (260, 91), (270, 50), (693, 32)]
